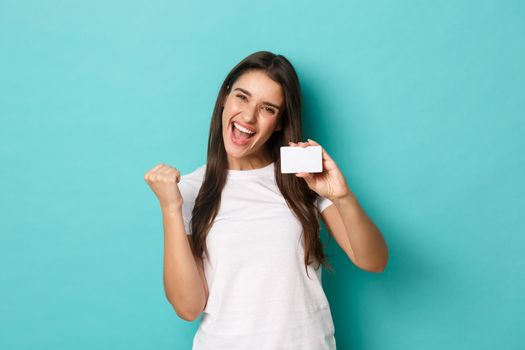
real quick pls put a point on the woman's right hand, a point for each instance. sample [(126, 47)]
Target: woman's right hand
[(163, 179)]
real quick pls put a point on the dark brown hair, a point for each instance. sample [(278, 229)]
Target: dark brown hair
[(299, 197)]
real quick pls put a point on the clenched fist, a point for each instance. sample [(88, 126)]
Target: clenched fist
[(163, 179)]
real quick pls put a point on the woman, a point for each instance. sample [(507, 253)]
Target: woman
[(250, 259)]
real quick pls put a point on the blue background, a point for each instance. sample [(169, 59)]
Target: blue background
[(421, 104)]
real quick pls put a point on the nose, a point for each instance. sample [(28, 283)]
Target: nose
[(250, 114)]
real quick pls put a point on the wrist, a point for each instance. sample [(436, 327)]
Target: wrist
[(348, 198), (170, 208)]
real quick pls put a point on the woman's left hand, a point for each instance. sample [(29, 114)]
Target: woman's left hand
[(331, 183)]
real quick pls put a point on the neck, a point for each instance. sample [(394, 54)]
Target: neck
[(248, 163)]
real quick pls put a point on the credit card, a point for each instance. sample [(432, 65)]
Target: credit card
[(301, 159)]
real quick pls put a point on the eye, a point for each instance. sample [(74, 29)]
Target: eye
[(271, 110), (242, 97)]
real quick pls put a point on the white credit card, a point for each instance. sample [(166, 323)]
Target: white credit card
[(301, 159)]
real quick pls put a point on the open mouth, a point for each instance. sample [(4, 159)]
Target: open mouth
[(241, 133)]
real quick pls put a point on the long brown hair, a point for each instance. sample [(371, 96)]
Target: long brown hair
[(299, 197)]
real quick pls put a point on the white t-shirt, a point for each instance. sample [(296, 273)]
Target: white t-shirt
[(260, 297)]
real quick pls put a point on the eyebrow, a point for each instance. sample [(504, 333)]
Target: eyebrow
[(265, 102)]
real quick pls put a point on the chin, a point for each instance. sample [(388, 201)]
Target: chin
[(234, 153), (230, 150)]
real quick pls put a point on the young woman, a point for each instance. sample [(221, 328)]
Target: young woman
[(241, 240)]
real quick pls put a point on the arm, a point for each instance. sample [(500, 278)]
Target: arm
[(356, 233), (184, 281), (347, 222)]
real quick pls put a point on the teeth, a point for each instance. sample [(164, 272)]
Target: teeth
[(243, 129)]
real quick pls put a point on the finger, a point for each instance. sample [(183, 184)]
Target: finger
[(173, 170), (306, 176), (313, 143), (166, 170), (326, 156), (175, 177), (151, 171), (160, 169), (154, 168), (174, 174)]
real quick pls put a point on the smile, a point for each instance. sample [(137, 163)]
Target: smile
[(240, 135)]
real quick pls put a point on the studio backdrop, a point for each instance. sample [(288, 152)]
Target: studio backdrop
[(421, 104)]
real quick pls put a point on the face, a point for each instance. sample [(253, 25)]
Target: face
[(254, 103)]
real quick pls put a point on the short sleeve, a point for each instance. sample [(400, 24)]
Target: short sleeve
[(186, 215), (322, 203), (188, 201), (189, 186)]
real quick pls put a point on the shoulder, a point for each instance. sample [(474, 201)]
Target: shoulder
[(194, 176)]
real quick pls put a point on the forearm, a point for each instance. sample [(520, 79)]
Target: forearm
[(182, 282), (368, 244)]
